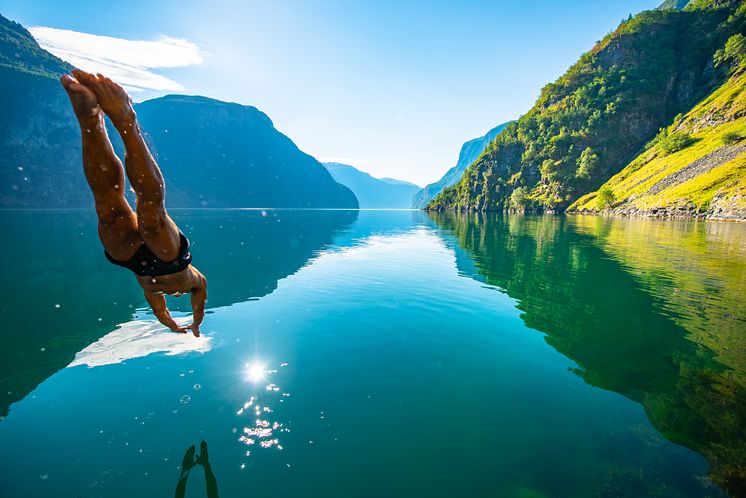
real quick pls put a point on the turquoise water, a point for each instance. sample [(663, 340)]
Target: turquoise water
[(380, 353)]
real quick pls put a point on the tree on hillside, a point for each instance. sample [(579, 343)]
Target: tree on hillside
[(587, 164)]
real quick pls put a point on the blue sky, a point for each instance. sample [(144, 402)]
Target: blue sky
[(393, 88)]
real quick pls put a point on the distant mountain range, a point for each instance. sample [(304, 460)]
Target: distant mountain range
[(373, 192), (650, 121), (470, 151), (212, 153)]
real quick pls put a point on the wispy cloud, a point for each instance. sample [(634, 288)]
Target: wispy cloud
[(129, 62)]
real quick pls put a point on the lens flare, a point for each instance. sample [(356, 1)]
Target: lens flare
[(255, 371)]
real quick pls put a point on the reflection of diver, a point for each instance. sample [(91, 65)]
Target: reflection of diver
[(191, 461)]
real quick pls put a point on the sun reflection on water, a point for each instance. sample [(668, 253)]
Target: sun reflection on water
[(261, 432)]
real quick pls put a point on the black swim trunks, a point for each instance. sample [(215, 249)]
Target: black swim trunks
[(144, 263)]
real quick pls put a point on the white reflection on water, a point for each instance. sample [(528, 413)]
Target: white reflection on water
[(136, 339), (261, 432)]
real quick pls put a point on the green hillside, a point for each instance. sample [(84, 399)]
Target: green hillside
[(469, 152), (591, 122), (694, 167)]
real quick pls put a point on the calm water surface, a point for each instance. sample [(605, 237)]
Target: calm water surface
[(380, 353)]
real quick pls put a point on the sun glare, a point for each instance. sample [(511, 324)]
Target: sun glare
[(255, 371)]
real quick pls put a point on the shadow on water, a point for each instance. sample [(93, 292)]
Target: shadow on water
[(56, 257), (598, 290), (192, 460)]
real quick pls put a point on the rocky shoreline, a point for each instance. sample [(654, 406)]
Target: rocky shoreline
[(717, 212)]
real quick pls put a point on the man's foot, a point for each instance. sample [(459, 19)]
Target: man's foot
[(112, 98), (85, 104)]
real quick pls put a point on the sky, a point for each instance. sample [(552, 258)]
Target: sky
[(393, 88)]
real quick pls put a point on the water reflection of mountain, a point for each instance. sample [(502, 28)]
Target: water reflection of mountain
[(623, 338), (63, 295), (245, 252)]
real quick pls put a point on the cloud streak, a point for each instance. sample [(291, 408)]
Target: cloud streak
[(129, 62)]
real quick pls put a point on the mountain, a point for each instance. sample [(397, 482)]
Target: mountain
[(219, 154), (673, 4), (597, 117), (470, 151), (373, 192), (212, 153), (696, 167)]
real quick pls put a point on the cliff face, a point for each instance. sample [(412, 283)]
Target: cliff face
[(696, 167), (212, 153), (220, 154), (469, 152), (596, 118)]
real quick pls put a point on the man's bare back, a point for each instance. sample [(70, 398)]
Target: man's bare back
[(146, 240)]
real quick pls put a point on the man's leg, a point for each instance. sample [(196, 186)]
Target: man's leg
[(156, 228), (117, 224)]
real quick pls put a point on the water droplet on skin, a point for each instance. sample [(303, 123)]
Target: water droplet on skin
[(154, 280), (87, 130), (116, 186)]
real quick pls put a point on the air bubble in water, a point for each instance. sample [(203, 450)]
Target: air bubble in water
[(197, 386), (185, 399)]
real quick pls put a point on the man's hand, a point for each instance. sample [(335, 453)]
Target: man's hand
[(180, 329), (194, 328)]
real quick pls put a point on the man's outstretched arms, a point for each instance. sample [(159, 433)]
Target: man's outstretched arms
[(158, 303)]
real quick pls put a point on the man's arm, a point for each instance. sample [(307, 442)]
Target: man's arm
[(199, 298), (158, 303)]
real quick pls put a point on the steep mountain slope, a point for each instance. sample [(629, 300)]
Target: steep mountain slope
[(696, 167), (470, 151), (39, 137), (220, 154), (673, 4), (373, 192), (593, 120), (212, 153)]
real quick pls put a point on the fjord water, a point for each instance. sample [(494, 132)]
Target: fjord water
[(381, 353)]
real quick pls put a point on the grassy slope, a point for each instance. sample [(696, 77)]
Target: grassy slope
[(607, 106), (725, 112)]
